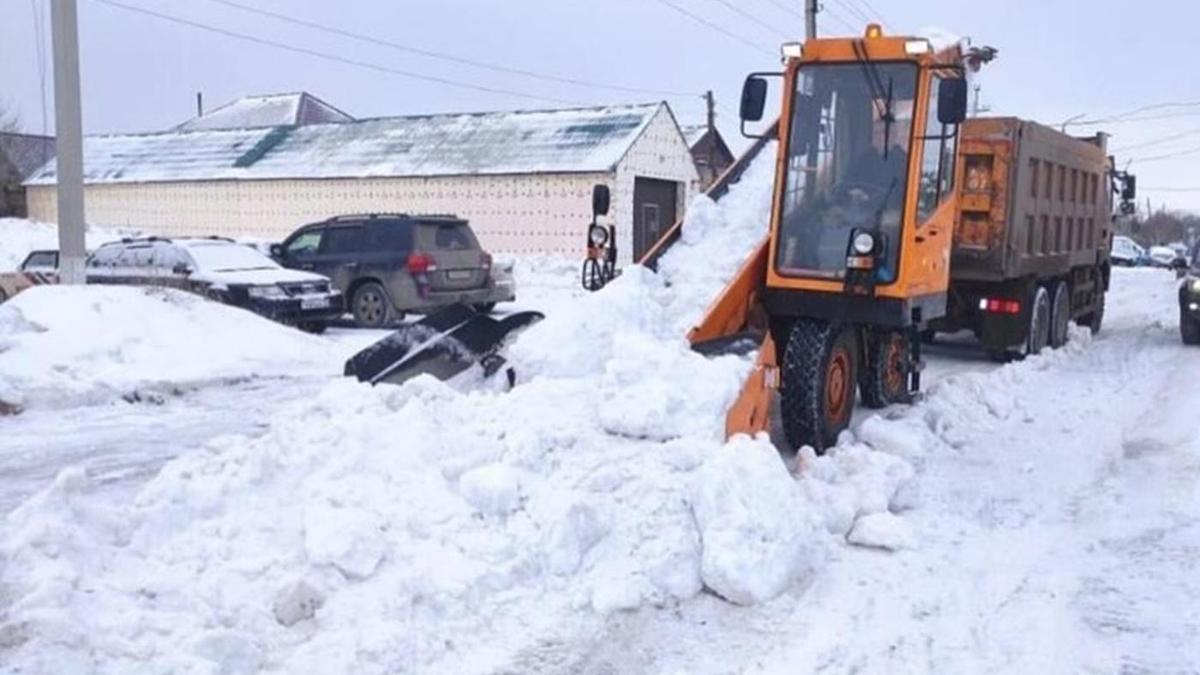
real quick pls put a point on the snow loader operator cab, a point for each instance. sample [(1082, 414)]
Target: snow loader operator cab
[(858, 252)]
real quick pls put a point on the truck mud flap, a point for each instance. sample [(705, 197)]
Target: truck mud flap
[(442, 344)]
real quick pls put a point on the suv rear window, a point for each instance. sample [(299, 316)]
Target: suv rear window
[(390, 235), (446, 237)]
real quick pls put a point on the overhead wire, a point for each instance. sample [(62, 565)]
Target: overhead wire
[(705, 22), (443, 56), (1157, 141), (336, 58), (753, 19)]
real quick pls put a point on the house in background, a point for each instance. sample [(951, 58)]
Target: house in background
[(271, 110), (523, 178), (21, 155), (709, 151)]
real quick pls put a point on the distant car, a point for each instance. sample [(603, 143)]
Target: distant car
[(38, 268), (1189, 301), (390, 264), (1126, 252), (223, 270), (1163, 256)]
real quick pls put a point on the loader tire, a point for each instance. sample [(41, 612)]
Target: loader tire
[(1189, 329), (819, 381), (1060, 315), (886, 371)]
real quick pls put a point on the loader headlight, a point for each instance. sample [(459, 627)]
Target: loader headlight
[(864, 243), (598, 235), (271, 292), (1196, 286)]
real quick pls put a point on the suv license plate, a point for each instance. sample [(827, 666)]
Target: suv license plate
[(314, 303), (458, 275)]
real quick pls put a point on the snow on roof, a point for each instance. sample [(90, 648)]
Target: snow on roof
[(267, 111), (545, 141), (693, 133)]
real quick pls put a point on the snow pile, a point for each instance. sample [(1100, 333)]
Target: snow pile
[(70, 345), (20, 237), (437, 527)]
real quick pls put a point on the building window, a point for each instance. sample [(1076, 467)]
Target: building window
[(1045, 235), (1074, 185), (1058, 229), (1034, 178), (1030, 226), (1049, 191)]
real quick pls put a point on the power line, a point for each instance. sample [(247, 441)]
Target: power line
[(1135, 114), (872, 11), (494, 67), (782, 7), (837, 17), (855, 12), (1158, 141), (1171, 155), (333, 57), (713, 26), (39, 35), (753, 19), (1169, 189)]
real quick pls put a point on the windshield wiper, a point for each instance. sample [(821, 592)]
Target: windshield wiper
[(875, 85)]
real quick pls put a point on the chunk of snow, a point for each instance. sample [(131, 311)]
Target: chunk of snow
[(758, 538), (297, 601), (494, 489), (882, 530)]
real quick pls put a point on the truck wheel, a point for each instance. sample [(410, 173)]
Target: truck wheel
[(371, 306), (819, 366), (1039, 322), (1094, 320), (485, 307), (885, 374), (1189, 329), (3, 296), (1060, 315)]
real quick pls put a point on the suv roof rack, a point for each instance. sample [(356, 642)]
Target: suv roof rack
[(138, 240), (372, 216)]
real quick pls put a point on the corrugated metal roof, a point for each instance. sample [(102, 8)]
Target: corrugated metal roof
[(547, 141), (267, 111)]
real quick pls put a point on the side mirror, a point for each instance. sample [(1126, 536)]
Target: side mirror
[(276, 251), (600, 200), (952, 101), (754, 99), (183, 269)]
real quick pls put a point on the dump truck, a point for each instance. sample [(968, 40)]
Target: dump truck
[(1030, 251), (895, 217)]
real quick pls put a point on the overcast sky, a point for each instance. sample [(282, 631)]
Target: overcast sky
[(1058, 59)]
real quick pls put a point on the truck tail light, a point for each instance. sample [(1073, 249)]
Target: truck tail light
[(1000, 306), (485, 260), (420, 263)]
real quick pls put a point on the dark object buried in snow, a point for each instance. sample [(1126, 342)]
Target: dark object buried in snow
[(442, 344)]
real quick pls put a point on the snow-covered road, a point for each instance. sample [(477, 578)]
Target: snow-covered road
[(1057, 531)]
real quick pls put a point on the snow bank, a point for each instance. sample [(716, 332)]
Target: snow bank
[(20, 237), (437, 527), (71, 345)]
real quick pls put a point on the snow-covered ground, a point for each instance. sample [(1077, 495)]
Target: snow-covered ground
[(1035, 517)]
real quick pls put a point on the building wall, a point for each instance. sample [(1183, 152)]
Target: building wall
[(514, 214), (660, 153), (539, 213)]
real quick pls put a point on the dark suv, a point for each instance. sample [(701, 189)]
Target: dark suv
[(389, 264), (1189, 301)]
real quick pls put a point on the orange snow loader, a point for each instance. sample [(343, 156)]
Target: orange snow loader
[(857, 260)]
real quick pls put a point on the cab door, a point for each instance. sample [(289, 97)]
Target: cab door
[(928, 261)]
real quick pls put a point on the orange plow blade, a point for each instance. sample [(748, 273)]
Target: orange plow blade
[(731, 319)]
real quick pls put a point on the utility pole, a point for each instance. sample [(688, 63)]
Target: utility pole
[(711, 105), (68, 122), (199, 104), (810, 19)]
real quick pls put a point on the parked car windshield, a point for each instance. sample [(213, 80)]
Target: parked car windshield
[(228, 257)]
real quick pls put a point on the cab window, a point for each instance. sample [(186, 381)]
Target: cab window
[(937, 159), (41, 259)]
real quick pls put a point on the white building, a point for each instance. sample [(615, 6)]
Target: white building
[(523, 179)]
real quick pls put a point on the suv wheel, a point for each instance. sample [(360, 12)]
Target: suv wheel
[(485, 307), (371, 306)]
